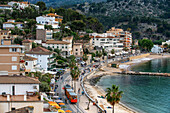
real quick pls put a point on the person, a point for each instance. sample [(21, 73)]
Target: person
[(79, 90)]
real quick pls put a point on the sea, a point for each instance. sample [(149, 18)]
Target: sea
[(143, 93)]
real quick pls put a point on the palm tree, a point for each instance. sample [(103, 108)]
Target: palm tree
[(75, 73), (113, 95)]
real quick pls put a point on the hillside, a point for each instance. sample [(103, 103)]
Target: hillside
[(145, 18), (58, 3)]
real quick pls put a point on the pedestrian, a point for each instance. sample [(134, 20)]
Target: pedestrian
[(79, 90)]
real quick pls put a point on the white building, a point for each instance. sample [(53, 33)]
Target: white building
[(31, 64), (50, 19), (65, 45), (167, 42), (5, 7), (43, 57), (112, 39), (19, 91), (22, 5), (10, 24), (157, 49)]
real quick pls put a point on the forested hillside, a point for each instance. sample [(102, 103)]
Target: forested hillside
[(145, 18), (58, 3)]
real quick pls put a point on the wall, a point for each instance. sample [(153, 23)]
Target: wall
[(5, 106), (20, 89), (41, 34)]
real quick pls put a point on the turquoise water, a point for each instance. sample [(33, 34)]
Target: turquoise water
[(156, 65), (146, 94)]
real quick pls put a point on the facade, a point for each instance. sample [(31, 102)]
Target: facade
[(43, 34), (30, 63), (112, 39), (43, 57), (6, 34), (28, 44), (157, 49), (10, 24), (65, 45), (50, 19), (78, 50), (5, 7), (11, 59), (168, 42), (19, 91)]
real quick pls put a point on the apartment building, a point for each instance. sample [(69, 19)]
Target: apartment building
[(11, 59), (112, 39), (5, 7), (78, 49), (11, 24), (6, 35), (65, 45), (43, 57), (50, 19), (43, 34), (18, 92)]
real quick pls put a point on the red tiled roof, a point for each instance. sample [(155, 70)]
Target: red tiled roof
[(27, 41), (40, 49)]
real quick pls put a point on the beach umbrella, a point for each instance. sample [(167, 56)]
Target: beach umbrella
[(68, 111), (61, 104), (58, 107), (61, 111)]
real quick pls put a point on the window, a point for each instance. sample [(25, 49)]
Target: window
[(62, 46), (76, 49), (14, 49), (26, 63), (66, 47), (102, 39), (97, 39), (53, 46), (14, 67), (57, 47), (14, 58), (76, 53)]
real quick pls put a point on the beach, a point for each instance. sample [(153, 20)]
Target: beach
[(95, 91)]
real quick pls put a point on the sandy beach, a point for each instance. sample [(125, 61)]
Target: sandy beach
[(95, 91)]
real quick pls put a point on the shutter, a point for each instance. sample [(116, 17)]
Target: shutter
[(18, 50), (10, 49)]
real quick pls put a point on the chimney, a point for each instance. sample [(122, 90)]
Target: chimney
[(25, 97)]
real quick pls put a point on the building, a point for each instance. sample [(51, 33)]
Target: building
[(156, 49), (43, 34), (167, 42), (28, 109), (112, 39), (6, 35), (11, 24), (44, 57), (65, 45), (22, 5), (30, 64), (77, 49), (28, 44), (5, 7), (11, 59), (50, 19), (18, 92)]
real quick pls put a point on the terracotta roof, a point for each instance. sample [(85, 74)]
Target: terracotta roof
[(29, 58), (27, 41), (56, 42), (4, 31), (70, 37), (77, 44), (5, 6), (52, 14), (40, 51), (18, 80), (104, 37), (13, 23)]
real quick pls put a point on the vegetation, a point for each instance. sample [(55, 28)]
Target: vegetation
[(146, 44), (113, 95)]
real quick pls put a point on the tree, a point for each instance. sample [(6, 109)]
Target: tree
[(85, 57), (75, 73), (41, 5), (44, 87), (165, 45), (18, 41), (113, 95), (146, 44), (58, 51), (113, 51), (48, 27), (34, 45)]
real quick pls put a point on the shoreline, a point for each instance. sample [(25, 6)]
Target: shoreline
[(94, 91)]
